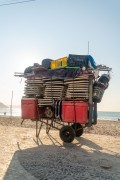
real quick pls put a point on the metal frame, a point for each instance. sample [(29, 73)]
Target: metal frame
[(92, 119), (92, 107)]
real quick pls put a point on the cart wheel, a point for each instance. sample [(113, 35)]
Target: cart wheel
[(67, 134), (78, 129)]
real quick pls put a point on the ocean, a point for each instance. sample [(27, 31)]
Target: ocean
[(102, 115), (105, 115), (7, 112)]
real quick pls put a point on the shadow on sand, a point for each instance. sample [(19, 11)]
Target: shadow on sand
[(62, 161)]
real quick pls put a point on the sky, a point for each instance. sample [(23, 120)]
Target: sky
[(31, 32)]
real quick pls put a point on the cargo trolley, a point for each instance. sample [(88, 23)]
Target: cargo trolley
[(67, 103)]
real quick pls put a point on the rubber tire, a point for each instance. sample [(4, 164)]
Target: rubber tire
[(78, 132), (67, 134)]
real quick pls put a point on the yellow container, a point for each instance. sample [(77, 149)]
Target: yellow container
[(53, 64), (62, 62)]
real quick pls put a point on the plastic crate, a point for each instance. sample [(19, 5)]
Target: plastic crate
[(62, 62), (75, 112), (29, 108)]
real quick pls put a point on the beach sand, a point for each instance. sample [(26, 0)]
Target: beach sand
[(95, 155)]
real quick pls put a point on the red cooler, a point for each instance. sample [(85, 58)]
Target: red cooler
[(75, 112), (29, 108)]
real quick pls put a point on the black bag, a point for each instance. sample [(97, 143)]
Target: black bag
[(78, 60), (46, 63)]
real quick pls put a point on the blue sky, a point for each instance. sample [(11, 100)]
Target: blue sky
[(30, 32)]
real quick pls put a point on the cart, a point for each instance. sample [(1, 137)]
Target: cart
[(67, 104)]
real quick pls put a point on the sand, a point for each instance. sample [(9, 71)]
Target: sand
[(95, 155)]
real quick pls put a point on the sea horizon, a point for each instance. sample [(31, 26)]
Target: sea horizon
[(102, 115)]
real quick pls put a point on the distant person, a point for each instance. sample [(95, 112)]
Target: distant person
[(4, 113)]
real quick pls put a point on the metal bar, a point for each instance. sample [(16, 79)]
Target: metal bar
[(90, 100), (38, 133), (22, 122), (36, 128), (95, 113), (74, 102), (50, 125)]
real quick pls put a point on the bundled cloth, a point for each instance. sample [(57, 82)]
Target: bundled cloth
[(75, 65), (59, 73), (82, 61)]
